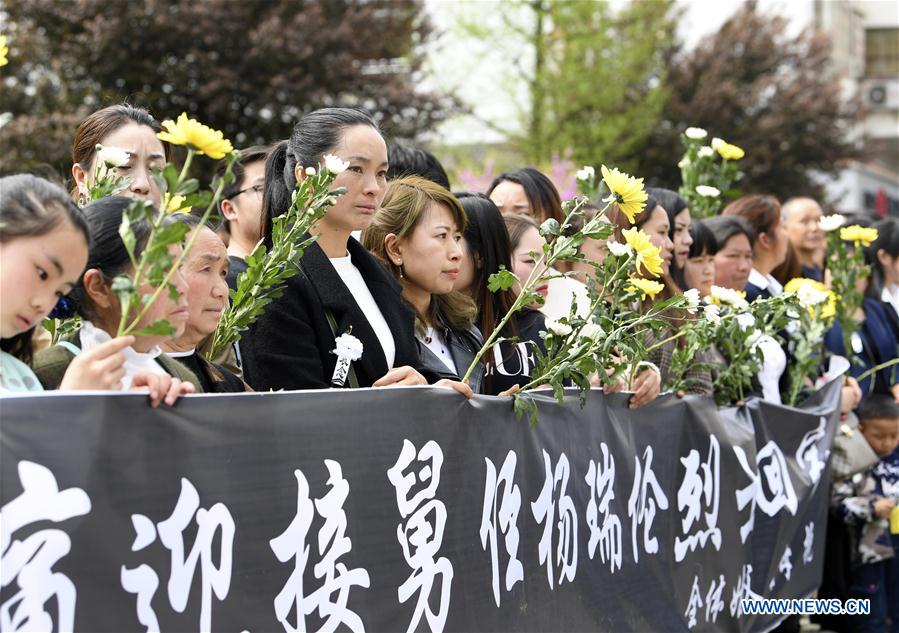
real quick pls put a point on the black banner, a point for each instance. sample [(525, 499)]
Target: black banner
[(406, 509)]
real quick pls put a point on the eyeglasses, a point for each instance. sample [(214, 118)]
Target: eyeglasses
[(257, 189)]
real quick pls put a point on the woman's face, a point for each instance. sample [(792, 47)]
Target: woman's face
[(699, 273), (733, 263), (205, 270), (432, 253), (365, 179), (35, 272), (145, 152), (523, 261), (468, 268), (890, 267), (510, 198), (657, 227), (682, 238), (595, 251), (780, 241), (175, 311)]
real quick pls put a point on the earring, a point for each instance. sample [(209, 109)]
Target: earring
[(81, 200), (400, 265)]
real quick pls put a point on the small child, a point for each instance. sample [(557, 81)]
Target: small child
[(865, 502)]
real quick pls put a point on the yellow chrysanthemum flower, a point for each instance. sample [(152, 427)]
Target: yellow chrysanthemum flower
[(626, 191), (195, 135), (730, 152), (648, 287), (858, 234), (812, 294), (171, 204), (649, 257), (4, 49)]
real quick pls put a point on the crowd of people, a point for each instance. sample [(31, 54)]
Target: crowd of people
[(403, 263)]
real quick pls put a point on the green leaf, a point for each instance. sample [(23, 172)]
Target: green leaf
[(501, 280), (159, 328), (550, 228)]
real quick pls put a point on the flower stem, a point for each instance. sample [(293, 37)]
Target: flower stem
[(876, 369), (184, 252)]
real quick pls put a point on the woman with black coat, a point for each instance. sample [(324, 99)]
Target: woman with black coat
[(342, 291)]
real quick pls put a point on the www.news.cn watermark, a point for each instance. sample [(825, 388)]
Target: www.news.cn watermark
[(804, 606)]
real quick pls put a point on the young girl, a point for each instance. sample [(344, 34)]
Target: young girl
[(100, 310), (417, 233), (342, 288), (699, 269), (43, 250)]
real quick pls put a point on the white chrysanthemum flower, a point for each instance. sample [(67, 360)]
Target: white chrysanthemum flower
[(696, 133), (745, 320), (726, 296), (558, 328), (348, 347), (335, 165), (692, 296), (591, 331), (716, 143), (618, 249), (684, 162), (707, 192), (112, 156), (810, 296), (586, 173), (711, 313), (832, 222), (705, 152), (310, 171)]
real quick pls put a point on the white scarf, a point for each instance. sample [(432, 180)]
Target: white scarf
[(135, 362)]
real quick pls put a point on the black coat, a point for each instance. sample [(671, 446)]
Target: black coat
[(290, 346), (463, 346)]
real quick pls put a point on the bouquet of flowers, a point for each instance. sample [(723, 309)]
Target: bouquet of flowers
[(158, 262), (707, 172), (817, 309), (846, 266), (608, 336)]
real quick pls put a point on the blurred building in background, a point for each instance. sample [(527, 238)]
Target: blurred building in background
[(865, 40)]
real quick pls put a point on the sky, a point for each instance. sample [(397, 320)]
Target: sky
[(480, 70)]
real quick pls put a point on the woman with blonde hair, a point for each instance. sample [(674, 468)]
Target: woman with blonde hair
[(417, 234)]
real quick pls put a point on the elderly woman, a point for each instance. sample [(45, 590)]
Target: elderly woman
[(205, 270)]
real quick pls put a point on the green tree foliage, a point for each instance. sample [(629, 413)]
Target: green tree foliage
[(594, 74), (248, 68), (763, 90)]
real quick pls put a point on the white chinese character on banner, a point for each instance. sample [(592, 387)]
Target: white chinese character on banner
[(545, 509), (713, 601), (29, 562), (742, 590), (332, 544), (502, 502), (809, 454), (646, 496), (808, 544), (143, 580), (694, 604), (422, 533), (770, 487), (601, 479), (699, 493), (786, 563)]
